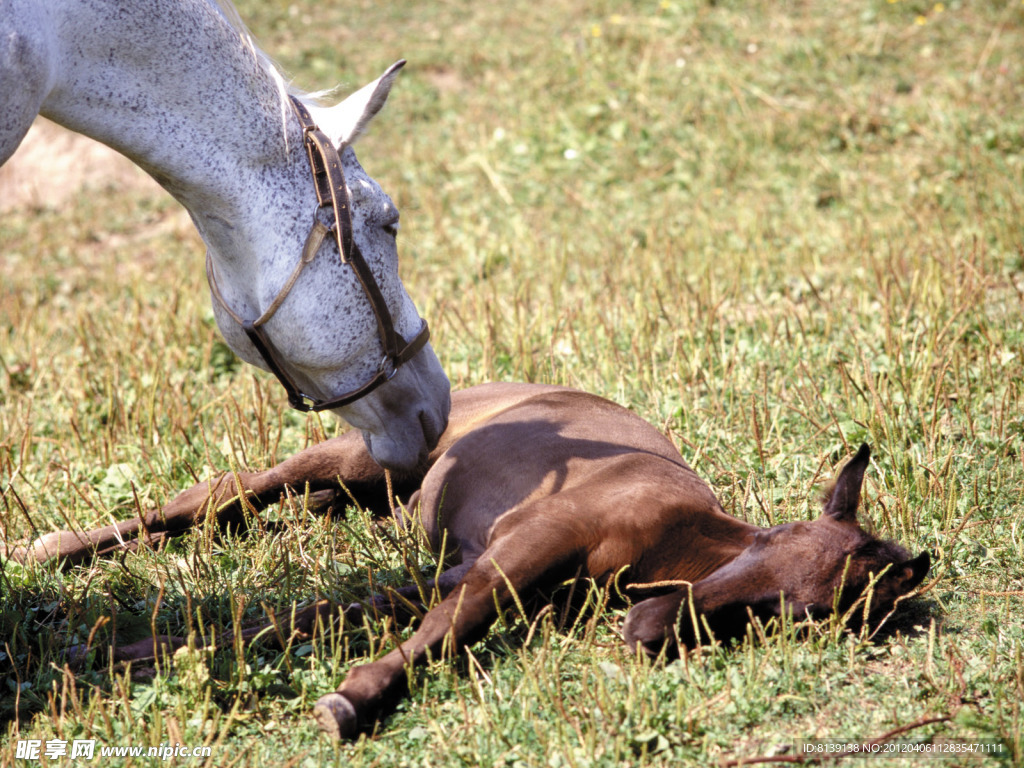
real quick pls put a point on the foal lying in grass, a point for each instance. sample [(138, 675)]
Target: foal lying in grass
[(532, 485)]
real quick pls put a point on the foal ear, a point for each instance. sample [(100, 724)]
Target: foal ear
[(913, 571), (842, 502), (348, 120)]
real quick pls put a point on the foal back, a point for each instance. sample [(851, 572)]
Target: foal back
[(565, 456)]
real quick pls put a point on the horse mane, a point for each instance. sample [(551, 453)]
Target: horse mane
[(318, 102), (285, 87), (230, 14)]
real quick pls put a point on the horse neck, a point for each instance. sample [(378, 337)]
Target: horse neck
[(173, 86)]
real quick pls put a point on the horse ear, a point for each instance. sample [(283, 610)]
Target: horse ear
[(348, 120), (913, 571), (844, 499)]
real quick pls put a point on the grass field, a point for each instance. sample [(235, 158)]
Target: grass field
[(775, 230)]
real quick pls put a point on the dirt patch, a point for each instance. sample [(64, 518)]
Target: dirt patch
[(53, 165)]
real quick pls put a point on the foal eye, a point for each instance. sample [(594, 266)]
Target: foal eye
[(391, 228)]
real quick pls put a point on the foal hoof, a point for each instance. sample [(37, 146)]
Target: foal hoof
[(336, 716)]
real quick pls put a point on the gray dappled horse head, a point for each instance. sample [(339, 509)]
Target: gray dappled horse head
[(179, 88)]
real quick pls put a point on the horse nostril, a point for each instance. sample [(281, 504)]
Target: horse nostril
[(433, 422), (431, 434)]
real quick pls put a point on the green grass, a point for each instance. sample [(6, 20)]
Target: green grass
[(773, 230)]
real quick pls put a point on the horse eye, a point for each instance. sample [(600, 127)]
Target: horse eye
[(391, 228)]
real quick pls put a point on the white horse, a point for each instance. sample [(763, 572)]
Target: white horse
[(179, 88)]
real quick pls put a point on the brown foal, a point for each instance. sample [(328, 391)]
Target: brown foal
[(532, 485)]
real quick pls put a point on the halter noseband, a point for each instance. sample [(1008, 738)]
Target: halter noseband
[(331, 192)]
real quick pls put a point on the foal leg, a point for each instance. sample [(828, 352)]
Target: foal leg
[(321, 466), (533, 551), (402, 605), (281, 630)]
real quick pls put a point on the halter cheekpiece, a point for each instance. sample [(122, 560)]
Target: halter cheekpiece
[(331, 192)]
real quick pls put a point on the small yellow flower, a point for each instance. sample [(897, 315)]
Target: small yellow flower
[(921, 21), (665, 5), (595, 31), (615, 19), (939, 7)]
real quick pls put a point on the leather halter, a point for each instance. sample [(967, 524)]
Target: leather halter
[(331, 192)]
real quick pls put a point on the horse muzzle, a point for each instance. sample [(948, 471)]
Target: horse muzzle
[(403, 420)]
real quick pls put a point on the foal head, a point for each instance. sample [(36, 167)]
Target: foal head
[(808, 568)]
